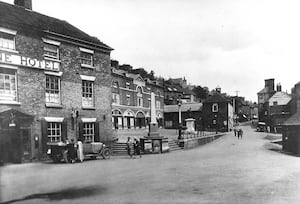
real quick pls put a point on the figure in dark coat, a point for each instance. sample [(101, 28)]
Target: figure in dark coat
[(128, 147), (72, 152), (137, 147)]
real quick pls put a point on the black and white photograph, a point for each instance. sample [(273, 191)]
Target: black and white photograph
[(149, 101)]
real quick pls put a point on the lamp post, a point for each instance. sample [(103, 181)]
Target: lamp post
[(179, 119)]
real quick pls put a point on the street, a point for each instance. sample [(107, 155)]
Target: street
[(228, 170)]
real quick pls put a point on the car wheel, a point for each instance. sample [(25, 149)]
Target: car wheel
[(106, 153)]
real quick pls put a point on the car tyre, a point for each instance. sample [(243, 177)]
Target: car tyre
[(106, 153)]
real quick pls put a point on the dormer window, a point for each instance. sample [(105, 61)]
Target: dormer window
[(7, 39), (215, 107), (51, 49), (86, 58)]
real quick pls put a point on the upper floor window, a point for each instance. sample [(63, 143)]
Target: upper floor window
[(8, 85), (86, 57), (7, 39), (128, 100), (115, 84), (116, 98), (215, 107), (139, 91), (52, 89), (158, 104), (127, 85), (87, 93), (140, 102), (51, 49)]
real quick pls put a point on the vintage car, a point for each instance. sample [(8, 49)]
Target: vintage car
[(261, 127), (57, 151)]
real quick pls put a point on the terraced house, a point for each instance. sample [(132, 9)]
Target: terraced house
[(131, 99), (55, 83)]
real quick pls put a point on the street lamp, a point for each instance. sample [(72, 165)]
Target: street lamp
[(179, 119)]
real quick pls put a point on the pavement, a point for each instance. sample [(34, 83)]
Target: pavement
[(227, 170)]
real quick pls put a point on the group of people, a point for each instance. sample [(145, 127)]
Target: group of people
[(133, 148), (238, 133), (73, 152)]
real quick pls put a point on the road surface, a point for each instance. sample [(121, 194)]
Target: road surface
[(227, 170)]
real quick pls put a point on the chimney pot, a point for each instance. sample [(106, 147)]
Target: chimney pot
[(27, 4)]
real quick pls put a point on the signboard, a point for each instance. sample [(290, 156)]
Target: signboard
[(147, 145), (19, 60)]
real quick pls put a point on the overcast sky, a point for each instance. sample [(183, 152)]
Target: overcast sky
[(235, 44)]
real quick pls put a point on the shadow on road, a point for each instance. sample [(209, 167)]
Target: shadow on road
[(69, 193)]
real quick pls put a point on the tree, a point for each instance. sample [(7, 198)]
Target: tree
[(201, 92)]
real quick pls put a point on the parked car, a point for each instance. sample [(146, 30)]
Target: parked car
[(56, 151), (261, 127)]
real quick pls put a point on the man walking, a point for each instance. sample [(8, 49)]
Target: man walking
[(129, 147), (137, 147)]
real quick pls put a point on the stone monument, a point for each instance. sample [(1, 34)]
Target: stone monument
[(154, 143), (153, 127)]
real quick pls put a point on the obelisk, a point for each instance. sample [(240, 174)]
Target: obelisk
[(153, 128)]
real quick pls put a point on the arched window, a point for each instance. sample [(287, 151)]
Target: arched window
[(139, 90), (115, 84)]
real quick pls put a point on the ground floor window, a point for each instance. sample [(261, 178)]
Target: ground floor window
[(169, 123), (54, 132), (88, 132)]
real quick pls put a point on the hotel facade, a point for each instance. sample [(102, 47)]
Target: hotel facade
[(55, 84)]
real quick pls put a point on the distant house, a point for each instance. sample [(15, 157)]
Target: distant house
[(279, 110), (217, 112), (263, 96), (188, 110)]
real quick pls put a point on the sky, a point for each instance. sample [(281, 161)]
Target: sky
[(234, 44)]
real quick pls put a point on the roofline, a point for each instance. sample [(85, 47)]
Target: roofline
[(105, 47)]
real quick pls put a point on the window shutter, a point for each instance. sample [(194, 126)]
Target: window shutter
[(80, 131), (64, 130), (44, 126), (97, 136)]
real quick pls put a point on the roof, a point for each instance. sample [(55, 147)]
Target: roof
[(20, 19), (293, 120), (216, 97), (184, 107), (281, 98)]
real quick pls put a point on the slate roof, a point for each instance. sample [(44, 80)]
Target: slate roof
[(216, 97), (293, 120), (281, 98), (20, 19), (184, 107)]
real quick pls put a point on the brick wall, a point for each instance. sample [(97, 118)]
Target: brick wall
[(31, 88)]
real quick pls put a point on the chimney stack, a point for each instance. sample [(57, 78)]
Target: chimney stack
[(278, 87), (27, 4), (269, 83), (296, 92), (218, 89)]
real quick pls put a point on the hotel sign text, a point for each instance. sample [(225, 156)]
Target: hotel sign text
[(14, 59)]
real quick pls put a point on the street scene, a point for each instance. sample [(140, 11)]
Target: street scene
[(149, 101), (228, 170)]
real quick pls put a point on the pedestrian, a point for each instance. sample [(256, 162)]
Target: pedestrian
[(234, 130), (137, 147), (129, 147), (238, 133), (241, 133), (72, 153), (80, 155)]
